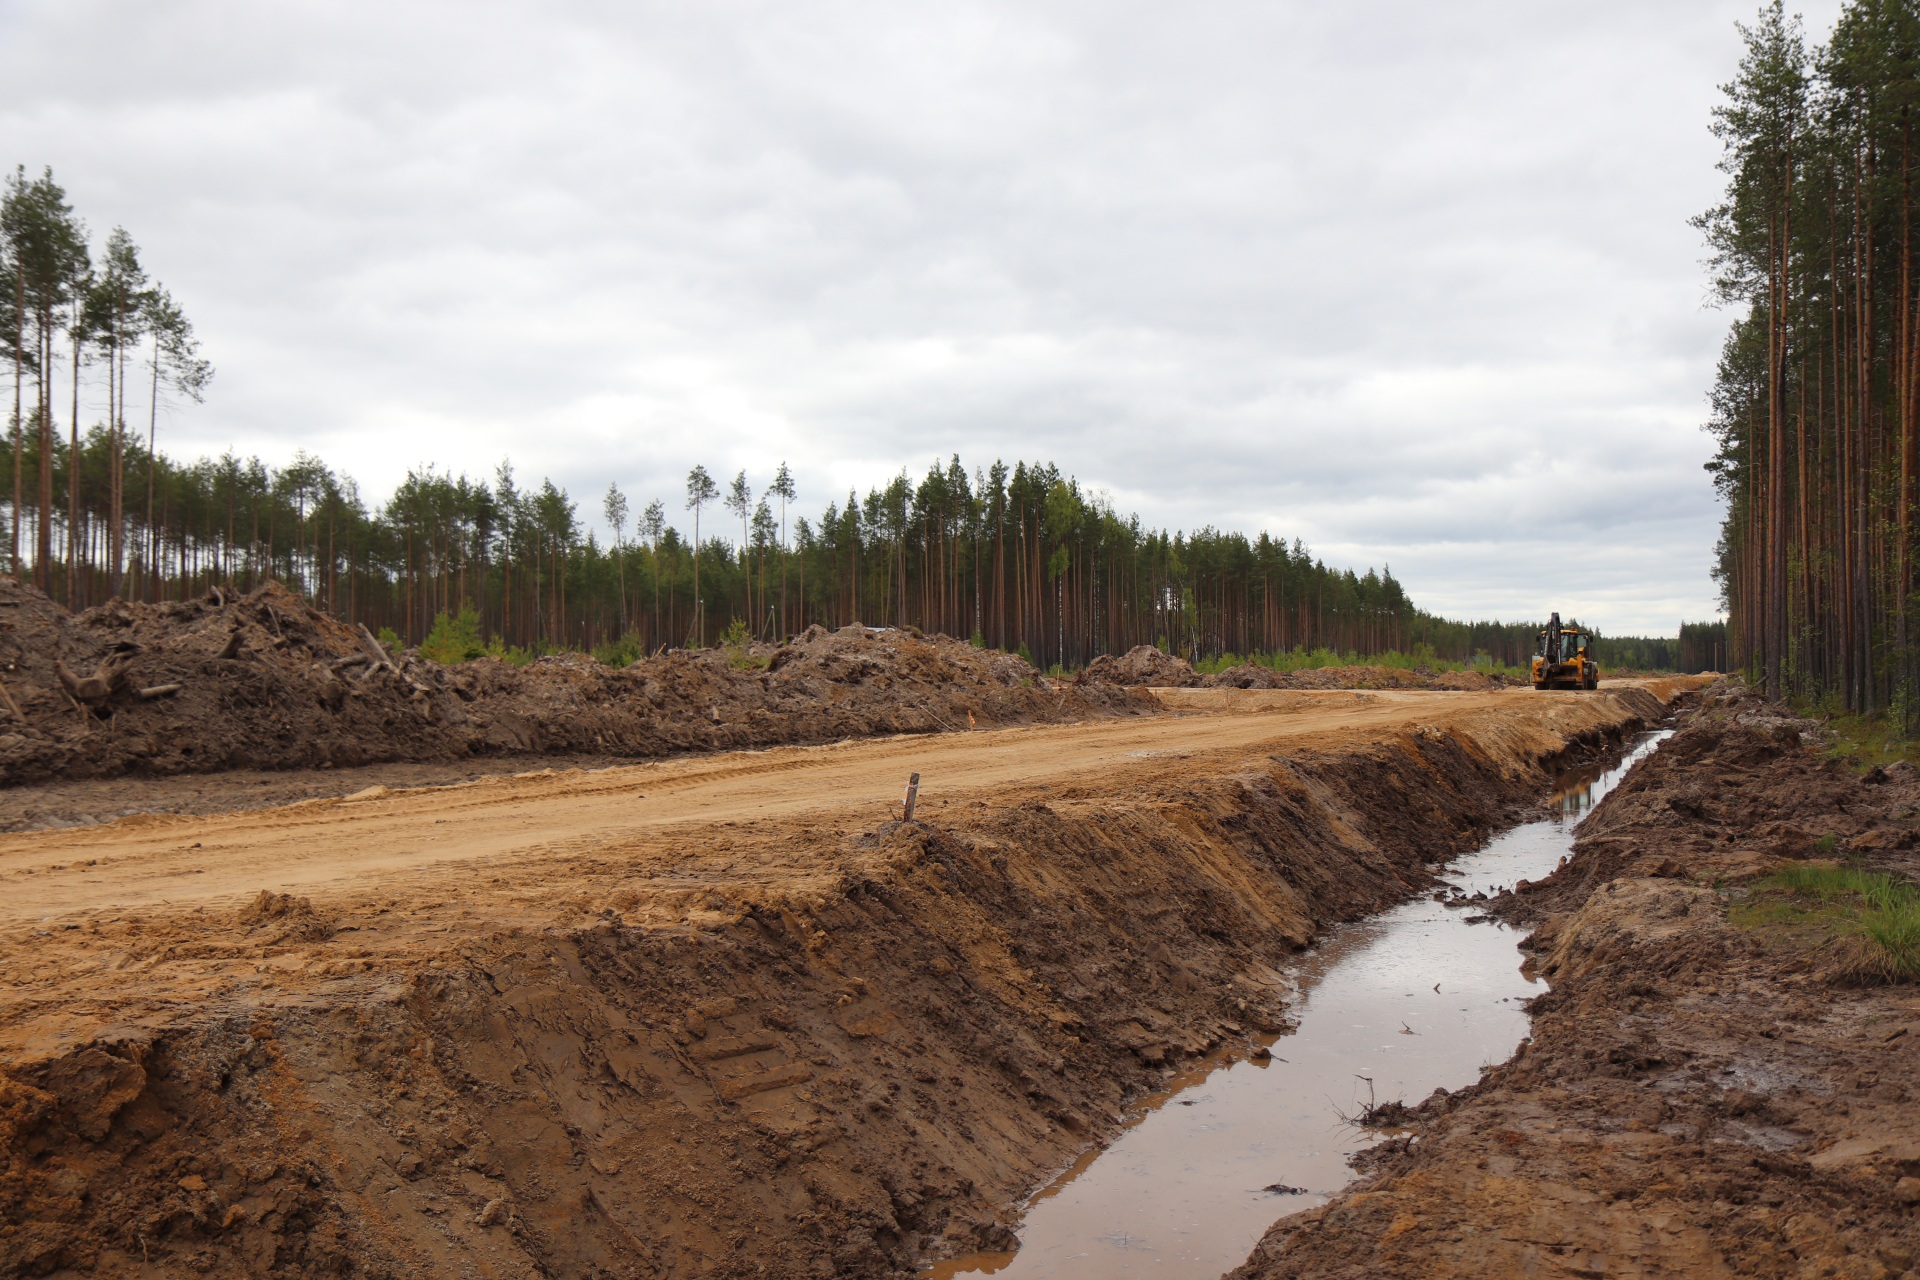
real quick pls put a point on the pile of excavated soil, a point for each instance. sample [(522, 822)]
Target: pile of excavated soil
[(1711, 1089), (795, 1044), (1148, 666), (1141, 665), (266, 682)]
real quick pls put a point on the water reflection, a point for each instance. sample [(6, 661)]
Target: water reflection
[(1418, 998)]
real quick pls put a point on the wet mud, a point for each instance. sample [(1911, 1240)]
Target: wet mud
[(1418, 998), (1709, 1089)]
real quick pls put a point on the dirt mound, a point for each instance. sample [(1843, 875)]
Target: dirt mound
[(1703, 1060), (286, 917), (1141, 665), (1146, 665), (1245, 676), (1359, 677), (1469, 681), (264, 681), (1728, 701)]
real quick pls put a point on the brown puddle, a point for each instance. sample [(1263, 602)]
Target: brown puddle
[(1417, 998)]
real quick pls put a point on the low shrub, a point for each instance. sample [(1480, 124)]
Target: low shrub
[(454, 639), (736, 641), (623, 652)]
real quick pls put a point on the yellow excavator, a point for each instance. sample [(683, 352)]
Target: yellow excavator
[(1564, 659)]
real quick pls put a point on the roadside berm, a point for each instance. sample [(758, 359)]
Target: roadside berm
[(1154, 668), (1721, 1080), (719, 1016), (265, 681)]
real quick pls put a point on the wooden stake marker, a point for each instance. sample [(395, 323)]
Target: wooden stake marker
[(913, 794)]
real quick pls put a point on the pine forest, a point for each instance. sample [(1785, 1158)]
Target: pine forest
[(1818, 388)]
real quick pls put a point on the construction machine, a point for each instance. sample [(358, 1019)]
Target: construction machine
[(1564, 659)]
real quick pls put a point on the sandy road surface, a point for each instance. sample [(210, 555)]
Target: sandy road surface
[(348, 844)]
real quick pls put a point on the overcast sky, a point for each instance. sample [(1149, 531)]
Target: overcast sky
[(1410, 281)]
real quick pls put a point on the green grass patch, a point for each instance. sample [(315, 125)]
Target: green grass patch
[(1865, 741), (1875, 917)]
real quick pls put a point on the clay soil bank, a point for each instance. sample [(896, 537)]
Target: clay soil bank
[(716, 1016), (1715, 1085)]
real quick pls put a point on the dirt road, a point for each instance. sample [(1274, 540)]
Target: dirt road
[(722, 1015), (348, 844)]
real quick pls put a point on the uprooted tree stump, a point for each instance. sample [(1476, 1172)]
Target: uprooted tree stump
[(107, 678)]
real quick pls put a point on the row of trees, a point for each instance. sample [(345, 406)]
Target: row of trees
[(1817, 397), (1021, 557), (68, 317)]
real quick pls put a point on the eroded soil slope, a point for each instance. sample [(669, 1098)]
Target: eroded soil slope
[(266, 682), (1707, 1092), (712, 1017)]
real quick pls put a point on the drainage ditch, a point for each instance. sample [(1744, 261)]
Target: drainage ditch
[(1418, 998)]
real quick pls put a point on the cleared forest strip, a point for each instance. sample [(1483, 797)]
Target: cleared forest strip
[(797, 1041)]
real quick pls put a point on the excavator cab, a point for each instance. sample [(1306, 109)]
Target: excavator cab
[(1564, 658)]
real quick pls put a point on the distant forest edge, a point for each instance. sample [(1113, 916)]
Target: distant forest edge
[(1817, 398), (1019, 558)]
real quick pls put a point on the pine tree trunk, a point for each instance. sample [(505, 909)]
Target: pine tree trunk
[(19, 371), (153, 430), (43, 543), (73, 477)]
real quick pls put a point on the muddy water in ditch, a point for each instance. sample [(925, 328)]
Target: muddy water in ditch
[(1418, 998)]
